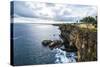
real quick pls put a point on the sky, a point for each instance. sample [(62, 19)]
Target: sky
[(52, 11)]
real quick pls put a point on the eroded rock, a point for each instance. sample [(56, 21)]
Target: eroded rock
[(83, 41), (46, 42), (52, 43)]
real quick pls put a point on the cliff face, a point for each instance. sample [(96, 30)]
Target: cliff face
[(84, 40)]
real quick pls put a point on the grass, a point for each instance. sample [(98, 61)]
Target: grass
[(88, 27)]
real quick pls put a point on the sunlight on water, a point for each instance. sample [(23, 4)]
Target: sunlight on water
[(41, 26), (44, 26)]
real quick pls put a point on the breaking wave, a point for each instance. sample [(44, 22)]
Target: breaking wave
[(63, 56)]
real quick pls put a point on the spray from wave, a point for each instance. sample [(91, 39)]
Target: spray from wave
[(63, 56)]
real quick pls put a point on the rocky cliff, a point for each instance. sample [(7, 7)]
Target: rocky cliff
[(83, 41)]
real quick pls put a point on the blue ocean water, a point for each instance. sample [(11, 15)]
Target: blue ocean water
[(28, 49)]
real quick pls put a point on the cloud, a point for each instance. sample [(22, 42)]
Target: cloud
[(52, 10), (83, 10)]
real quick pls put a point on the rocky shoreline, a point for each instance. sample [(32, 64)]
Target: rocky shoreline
[(75, 39)]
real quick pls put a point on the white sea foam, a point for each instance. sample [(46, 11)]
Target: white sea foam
[(64, 57)]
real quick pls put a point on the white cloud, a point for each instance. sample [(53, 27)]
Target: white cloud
[(54, 11)]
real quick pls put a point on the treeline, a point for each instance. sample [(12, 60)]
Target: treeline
[(90, 19)]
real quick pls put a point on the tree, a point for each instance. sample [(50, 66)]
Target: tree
[(90, 19)]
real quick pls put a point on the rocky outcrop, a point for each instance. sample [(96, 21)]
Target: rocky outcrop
[(52, 43), (57, 44), (46, 42), (84, 41)]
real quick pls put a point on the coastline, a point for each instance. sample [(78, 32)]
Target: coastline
[(81, 40)]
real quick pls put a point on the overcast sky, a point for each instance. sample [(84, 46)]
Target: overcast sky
[(52, 11)]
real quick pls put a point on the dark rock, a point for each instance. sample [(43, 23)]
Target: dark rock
[(46, 42), (70, 49), (55, 43), (52, 44)]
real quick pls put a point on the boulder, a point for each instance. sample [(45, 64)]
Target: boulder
[(46, 42), (52, 44), (55, 43)]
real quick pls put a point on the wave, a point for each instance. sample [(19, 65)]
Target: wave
[(63, 56)]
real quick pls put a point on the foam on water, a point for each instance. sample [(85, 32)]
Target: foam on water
[(63, 56)]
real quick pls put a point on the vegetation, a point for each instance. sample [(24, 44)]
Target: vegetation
[(90, 19), (85, 41)]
